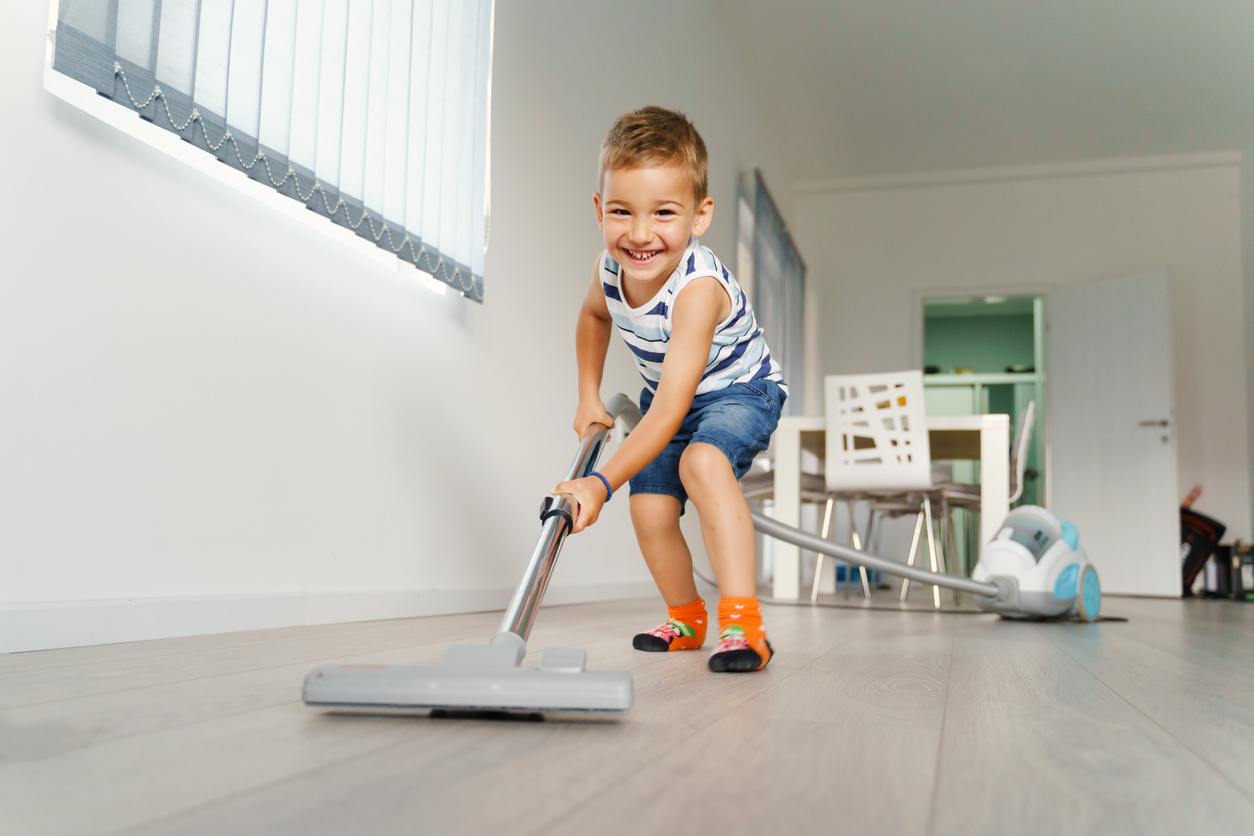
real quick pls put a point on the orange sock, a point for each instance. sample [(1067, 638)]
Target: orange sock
[(742, 644), (683, 630)]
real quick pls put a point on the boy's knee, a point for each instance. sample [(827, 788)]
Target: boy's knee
[(654, 512), (703, 465)]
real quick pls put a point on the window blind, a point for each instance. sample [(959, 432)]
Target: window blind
[(373, 113), (777, 274)]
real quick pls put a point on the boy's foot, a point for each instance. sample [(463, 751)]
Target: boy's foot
[(742, 644), (664, 638), (734, 655), (685, 630)]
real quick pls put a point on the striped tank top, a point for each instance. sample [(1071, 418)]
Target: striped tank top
[(738, 353)]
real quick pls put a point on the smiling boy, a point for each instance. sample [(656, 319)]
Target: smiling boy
[(712, 393)]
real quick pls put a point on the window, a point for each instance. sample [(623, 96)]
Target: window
[(771, 271), (372, 113)]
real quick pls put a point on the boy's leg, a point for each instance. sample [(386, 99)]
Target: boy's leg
[(655, 517), (726, 526), (656, 520), (727, 529)]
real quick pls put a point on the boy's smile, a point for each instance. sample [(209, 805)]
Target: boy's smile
[(646, 215)]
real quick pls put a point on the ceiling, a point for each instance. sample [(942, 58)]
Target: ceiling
[(887, 86)]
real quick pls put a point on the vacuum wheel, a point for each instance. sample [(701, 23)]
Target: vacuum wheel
[(1088, 599)]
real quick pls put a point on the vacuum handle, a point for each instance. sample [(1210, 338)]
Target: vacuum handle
[(557, 514), (623, 409)]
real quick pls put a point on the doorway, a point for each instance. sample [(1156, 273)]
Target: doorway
[(985, 354)]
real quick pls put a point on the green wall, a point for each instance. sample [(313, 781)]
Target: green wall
[(987, 344)]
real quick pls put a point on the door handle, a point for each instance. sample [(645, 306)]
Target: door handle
[(1161, 423)]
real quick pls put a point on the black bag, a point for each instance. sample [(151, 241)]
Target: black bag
[(1199, 535)]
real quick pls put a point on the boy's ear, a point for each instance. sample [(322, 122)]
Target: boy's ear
[(705, 214), (596, 201)]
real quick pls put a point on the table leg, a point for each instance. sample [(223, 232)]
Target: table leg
[(994, 477), (787, 440)]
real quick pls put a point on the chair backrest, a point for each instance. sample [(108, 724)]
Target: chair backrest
[(877, 432), (1019, 449)]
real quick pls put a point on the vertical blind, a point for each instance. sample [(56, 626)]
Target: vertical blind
[(373, 113), (779, 284)]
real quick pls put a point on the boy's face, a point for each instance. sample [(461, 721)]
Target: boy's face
[(646, 215)]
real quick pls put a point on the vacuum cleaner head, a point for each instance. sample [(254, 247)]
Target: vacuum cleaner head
[(476, 679), (1041, 557), (488, 679)]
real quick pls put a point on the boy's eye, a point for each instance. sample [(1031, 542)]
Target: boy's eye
[(619, 212), (665, 212)]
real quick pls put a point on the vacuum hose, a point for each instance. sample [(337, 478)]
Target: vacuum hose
[(809, 541)]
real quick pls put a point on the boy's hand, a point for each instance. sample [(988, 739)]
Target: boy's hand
[(591, 411), (588, 494)]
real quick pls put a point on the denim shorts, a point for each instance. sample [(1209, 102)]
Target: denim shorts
[(738, 420)]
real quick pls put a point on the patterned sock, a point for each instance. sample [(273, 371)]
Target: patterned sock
[(742, 644), (683, 630)]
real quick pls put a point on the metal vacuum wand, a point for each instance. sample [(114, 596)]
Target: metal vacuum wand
[(557, 512), (477, 677)]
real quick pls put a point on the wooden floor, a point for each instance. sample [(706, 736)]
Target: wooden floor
[(866, 722)]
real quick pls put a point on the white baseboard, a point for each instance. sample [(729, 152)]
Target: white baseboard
[(43, 626)]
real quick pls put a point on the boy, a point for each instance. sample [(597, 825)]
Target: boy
[(712, 393)]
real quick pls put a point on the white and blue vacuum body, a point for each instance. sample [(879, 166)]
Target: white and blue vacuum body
[(1040, 558)]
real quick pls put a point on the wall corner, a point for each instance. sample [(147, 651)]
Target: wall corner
[(1247, 274)]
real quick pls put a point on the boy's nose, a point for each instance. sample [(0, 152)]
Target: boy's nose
[(641, 231)]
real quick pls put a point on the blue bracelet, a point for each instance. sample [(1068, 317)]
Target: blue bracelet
[(608, 490)]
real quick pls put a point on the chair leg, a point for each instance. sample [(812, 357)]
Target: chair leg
[(858, 542), (818, 558), (948, 544), (914, 546), (973, 541), (873, 537), (862, 573), (818, 576), (855, 541), (931, 548)]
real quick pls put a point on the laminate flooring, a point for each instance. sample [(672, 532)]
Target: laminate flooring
[(867, 721)]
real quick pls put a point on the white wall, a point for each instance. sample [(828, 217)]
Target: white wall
[(215, 419), (873, 245), (1247, 241)]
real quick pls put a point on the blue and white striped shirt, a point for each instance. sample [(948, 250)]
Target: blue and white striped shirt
[(738, 353)]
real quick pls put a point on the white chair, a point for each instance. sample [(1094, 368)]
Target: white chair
[(878, 450), (760, 484), (967, 497)]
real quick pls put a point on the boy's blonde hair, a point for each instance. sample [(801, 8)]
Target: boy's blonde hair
[(654, 135)]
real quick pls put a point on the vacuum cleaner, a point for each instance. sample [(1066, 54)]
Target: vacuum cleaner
[(1051, 572), (488, 679), (1033, 568)]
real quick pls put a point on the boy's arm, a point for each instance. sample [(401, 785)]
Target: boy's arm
[(592, 339), (699, 308)]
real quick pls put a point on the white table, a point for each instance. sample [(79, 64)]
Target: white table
[(982, 437)]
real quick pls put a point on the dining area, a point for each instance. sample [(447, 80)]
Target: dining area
[(877, 454)]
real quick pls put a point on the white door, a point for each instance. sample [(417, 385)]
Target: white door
[(1112, 439)]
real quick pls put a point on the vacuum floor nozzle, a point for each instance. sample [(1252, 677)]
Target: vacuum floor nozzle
[(487, 680), (475, 679)]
